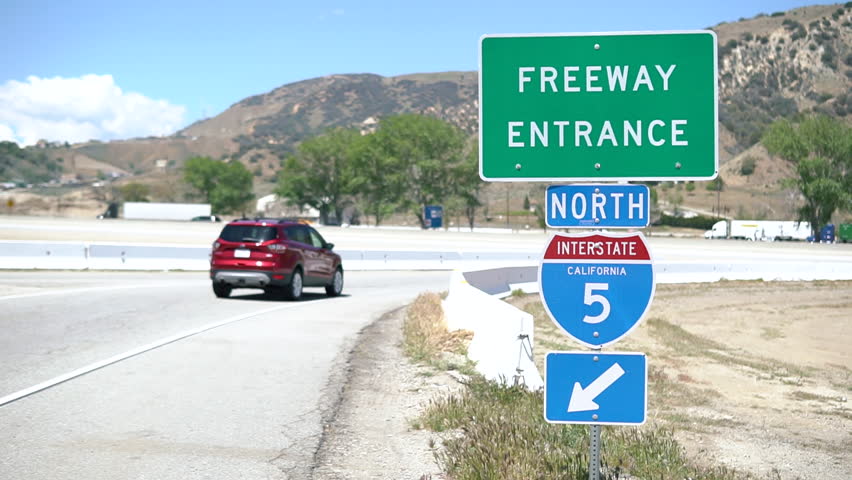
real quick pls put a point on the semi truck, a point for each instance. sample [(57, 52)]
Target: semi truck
[(159, 211), (760, 230)]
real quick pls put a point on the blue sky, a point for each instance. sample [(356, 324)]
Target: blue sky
[(74, 70)]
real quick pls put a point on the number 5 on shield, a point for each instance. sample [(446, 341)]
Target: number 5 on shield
[(590, 298)]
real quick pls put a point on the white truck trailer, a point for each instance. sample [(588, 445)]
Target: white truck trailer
[(762, 230), (165, 211)]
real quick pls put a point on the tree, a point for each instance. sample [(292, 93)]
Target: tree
[(320, 173), (227, 187), (426, 157), (820, 148), (202, 174), (467, 182), (378, 181), (233, 192), (135, 192)]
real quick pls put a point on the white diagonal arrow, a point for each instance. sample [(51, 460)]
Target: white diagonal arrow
[(583, 399)]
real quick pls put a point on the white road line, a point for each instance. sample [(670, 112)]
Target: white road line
[(68, 291), (132, 353)]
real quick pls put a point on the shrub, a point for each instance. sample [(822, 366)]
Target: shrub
[(747, 167), (791, 24), (829, 59), (699, 222), (778, 14), (716, 185)]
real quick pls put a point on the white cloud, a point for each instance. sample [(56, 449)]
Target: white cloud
[(6, 134), (80, 109), (338, 12)]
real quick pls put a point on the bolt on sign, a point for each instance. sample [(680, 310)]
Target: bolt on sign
[(592, 107)]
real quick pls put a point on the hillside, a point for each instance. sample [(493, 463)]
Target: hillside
[(775, 65)]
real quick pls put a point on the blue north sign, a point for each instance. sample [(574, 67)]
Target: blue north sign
[(596, 287), (597, 206), (595, 388)]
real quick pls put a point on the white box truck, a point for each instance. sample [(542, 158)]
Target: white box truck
[(165, 211), (762, 230)]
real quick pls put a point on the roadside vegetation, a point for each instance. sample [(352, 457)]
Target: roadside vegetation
[(491, 431), (409, 162)]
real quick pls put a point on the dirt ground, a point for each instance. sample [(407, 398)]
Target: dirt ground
[(753, 376)]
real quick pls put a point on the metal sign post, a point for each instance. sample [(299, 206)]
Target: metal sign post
[(595, 452)]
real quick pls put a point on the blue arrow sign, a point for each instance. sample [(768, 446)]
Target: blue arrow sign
[(596, 286), (597, 206), (595, 388)]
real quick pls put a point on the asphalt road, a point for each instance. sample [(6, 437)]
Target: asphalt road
[(246, 399), (244, 388)]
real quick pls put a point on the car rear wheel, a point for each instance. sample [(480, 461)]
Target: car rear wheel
[(221, 290), (336, 286), (293, 291)]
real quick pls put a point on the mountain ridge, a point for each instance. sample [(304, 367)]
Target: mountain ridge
[(775, 65)]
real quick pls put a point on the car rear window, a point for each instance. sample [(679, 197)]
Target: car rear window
[(248, 233)]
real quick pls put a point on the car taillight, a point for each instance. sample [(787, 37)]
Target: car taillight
[(216, 245), (277, 247)]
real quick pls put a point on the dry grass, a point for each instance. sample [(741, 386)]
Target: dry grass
[(425, 335), (492, 431)]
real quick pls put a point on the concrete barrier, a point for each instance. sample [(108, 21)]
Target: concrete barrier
[(502, 334), (148, 257), (43, 255), (506, 271)]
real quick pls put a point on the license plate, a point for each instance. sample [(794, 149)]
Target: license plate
[(242, 253)]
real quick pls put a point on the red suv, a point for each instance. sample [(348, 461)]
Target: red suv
[(279, 256)]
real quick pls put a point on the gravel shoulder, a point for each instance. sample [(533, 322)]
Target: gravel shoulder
[(370, 435)]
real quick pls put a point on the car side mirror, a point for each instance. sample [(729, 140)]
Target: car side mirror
[(329, 246)]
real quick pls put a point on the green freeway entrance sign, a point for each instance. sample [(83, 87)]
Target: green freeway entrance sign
[(608, 106)]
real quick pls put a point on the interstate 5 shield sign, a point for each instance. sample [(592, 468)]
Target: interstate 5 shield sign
[(596, 286)]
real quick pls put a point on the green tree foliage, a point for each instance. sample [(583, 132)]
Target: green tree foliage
[(409, 162), (820, 147), (27, 165), (716, 185), (202, 174), (135, 192), (227, 187), (467, 184), (320, 174), (233, 192), (426, 159)]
